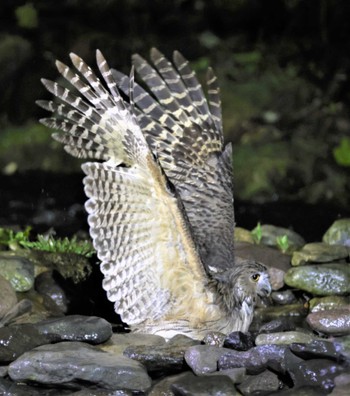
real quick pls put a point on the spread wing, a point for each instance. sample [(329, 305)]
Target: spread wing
[(141, 234), (185, 130)]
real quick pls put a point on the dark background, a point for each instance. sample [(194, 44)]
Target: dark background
[(283, 66)]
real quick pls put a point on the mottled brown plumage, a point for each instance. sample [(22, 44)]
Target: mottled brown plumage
[(160, 200)]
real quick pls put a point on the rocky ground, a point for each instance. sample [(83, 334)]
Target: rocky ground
[(298, 343)]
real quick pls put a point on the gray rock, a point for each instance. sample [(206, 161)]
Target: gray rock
[(214, 338), (279, 311), (21, 308), (76, 328), (117, 343), (189, 385), (9, 388), (342, 384), (317, 304), (69, 362), (46, 285), (163, 387), (19, 271), (256, 359), (203, 358), (236, 375), (283, 297), (317, 349), (303, 391), (316, 373), (17, 339), (263, 382), (278, 325), (284, 338), (319, 252), (338, 233), (164, 358), (331, 322), (8, 298), (320, 280), (270, 233), (239, 341)]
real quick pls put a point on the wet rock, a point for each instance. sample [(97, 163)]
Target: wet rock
[(284, 338), (21, 308), (320, 280), (315, 372), (8, 388), (8, 298), (270, 233), (69, 362), (19, 271), (17, 339), (163, 358), (163, 387), (203, 359), (276, 312), (46, 285), (263, 382), (318, 252), (338, 233), (239, 341), (343, 346), (209, 385), (117, 343), (278, 325), (76, 328), (317, 349), (236, 375), (214, 338), (303, 391), (332, 322), (256, 359), (327, 303), (243, 235), (276, 278), (283, 297), (342, 384)]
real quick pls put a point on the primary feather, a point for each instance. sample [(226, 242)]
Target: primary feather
[(160, 203)]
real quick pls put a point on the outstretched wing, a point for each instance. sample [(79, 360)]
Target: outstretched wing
[(150, 265), (185, 130)]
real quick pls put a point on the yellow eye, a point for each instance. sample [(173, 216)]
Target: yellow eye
[(255, 277)]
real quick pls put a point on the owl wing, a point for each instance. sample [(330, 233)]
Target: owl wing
[(185, 130), (150, 264)]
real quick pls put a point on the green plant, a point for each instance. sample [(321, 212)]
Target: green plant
[(257, 233), (283, 243), (13, 240), (341, 152)]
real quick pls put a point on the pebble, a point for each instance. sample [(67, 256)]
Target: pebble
[(270, 233), (239, 341), (332, 322), (284, 338), (317, 349), (90, 329), (283, 297), (317, 304), (67, 363), (319, 252), (266, 381), (278, 325), (320, 280), (19, 271), (8, 298), (338, 233), (203, 358)]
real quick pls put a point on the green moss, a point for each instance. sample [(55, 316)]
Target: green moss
[(341, 153), (27, 16)]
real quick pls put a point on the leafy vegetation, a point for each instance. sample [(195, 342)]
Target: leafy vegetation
[(283, 243), (341, 153), (257, 233)]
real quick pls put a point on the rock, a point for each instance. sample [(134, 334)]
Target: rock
[(243, 235), (117, 343), (276, 278), (278, 325), (315, 372), (284, 338), (255, 360), (209, 386), (320, 280), (338, 233), (203, 359), (303, 391), (17, 339), (283, 297), (21, 308), (332, 322), (318, 252), (317, 349), (162, 358), (46, 285), (292, 311), (263, 382), (214, 338), (19, 271), (8, 298), (270, 233), (76, 328), (342, 383), (317, 304), (236, 375), (69, 362), (239, 341), (9, 388)]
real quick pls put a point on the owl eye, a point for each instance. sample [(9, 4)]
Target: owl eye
[(255, 277)]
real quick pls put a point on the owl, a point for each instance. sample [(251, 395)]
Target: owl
[(160, 197)]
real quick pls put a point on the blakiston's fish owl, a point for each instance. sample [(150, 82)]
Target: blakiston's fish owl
[(160, 197)]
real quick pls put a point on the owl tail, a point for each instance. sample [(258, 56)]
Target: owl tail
[(96, 121)]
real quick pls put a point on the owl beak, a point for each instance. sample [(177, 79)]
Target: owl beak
[(265, 289)]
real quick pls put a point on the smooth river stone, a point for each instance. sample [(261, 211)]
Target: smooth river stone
[(319, 252), (19, 271), (317, 304), (285, 337), (332, 322), (338, 233)]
